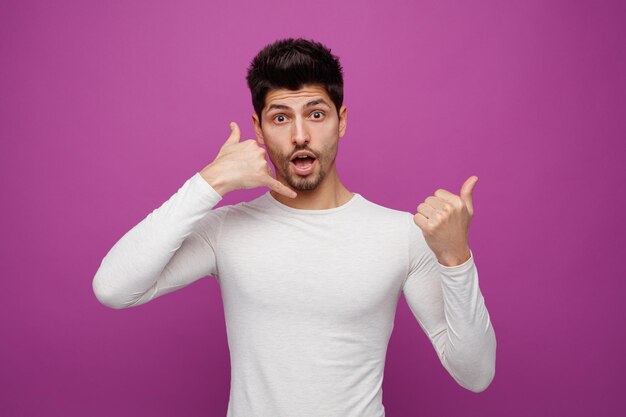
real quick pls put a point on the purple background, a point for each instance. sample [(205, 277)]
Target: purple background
[(106, 108)]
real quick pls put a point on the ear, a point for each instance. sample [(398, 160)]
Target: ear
[(343, 120), (257, 128)]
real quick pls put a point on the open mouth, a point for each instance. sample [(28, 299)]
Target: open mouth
[(303, 164)]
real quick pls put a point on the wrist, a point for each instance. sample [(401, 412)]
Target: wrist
[(213, 177), (454, 259)]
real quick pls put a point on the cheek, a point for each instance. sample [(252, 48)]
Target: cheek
[(275, 153), (328, 137), (330, 129), (275, 137)]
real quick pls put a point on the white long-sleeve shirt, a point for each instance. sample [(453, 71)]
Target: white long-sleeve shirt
[(309, 296)]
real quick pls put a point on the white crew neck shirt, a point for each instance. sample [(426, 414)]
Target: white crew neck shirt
[(309, 296)]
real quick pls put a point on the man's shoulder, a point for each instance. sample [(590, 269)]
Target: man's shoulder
[(238, 210), (385, 213)]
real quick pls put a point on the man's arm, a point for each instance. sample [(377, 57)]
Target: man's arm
[(449, 307), (168, 250), (175, 245)]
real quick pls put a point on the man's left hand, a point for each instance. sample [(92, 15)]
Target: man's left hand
[(444, 219)]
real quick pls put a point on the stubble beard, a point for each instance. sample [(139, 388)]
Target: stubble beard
[(324, 159)]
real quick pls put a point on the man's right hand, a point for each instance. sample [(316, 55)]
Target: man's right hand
[(241, 165)]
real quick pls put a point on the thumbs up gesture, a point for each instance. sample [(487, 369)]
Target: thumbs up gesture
[(242, 165), (444, 219)]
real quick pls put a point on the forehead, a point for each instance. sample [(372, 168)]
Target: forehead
[(296, 98)]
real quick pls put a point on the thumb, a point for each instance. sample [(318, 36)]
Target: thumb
[(235, 133), (466, 192)]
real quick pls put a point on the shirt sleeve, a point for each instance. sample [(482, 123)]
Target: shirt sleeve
[(169, 249), (449, 307)]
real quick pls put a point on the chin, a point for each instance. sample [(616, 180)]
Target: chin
[(311, 182)]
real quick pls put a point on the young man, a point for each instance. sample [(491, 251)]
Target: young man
[(310, 273)]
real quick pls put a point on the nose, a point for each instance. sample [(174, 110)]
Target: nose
[(300, 132)]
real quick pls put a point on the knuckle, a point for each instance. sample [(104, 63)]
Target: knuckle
[(260, 177)]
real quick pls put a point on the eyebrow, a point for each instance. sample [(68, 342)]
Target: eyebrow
[(307, 105)]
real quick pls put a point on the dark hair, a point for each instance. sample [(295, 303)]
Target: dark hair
[(291, 63)]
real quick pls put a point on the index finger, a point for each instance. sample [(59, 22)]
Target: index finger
[(446, 195)]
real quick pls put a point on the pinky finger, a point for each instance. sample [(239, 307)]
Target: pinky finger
[(281, 188), (421, 221)]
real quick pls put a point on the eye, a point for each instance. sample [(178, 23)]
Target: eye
[(279, 118), (319, 113)]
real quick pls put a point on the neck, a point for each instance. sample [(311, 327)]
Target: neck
[(331, 193)]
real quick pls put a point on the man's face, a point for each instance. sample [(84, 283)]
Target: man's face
[(301, 120)]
